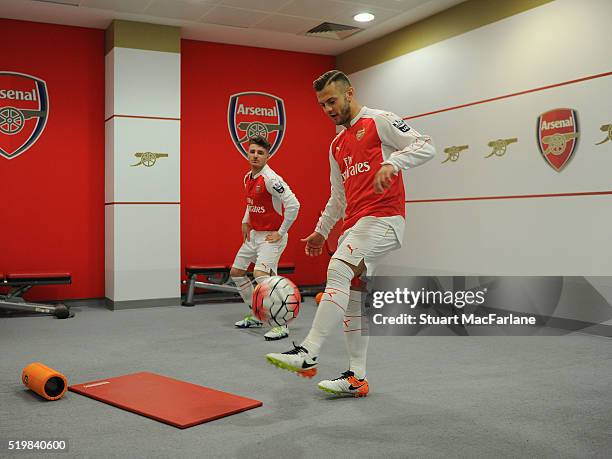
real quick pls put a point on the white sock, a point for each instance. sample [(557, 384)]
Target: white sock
[(245, 289), (356, 344), (332, 306)]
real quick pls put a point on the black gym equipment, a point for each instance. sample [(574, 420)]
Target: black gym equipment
[(217, 277), (20, 283)]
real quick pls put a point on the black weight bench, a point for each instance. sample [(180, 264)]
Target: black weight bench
[(217, 277), (20, 283)]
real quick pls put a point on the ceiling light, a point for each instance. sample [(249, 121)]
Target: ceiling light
[(363, 17)]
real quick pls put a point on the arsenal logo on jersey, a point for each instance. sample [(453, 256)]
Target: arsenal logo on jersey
[(24, 108), (256, 114), (558, 136)]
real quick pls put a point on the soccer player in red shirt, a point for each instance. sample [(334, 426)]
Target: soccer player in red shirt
[(367, 192), (270, 211)]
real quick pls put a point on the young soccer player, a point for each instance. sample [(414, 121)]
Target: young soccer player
[(264, 229)]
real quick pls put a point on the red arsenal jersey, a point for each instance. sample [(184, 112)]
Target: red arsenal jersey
[(374, 138), (267, 197)]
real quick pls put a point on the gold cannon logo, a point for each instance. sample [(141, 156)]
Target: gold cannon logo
[(607, 128), (24, 109), (148, 158), (500, 146), (453, 152), (558, 136), (256, 114)]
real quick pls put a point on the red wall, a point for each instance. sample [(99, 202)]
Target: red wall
[(212, 169), (53, 194)]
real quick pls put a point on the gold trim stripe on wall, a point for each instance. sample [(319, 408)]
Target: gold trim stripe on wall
[(449, 23), (140, 35)]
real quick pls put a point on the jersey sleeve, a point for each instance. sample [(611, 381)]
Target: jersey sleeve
[(336, 205), (279, 189), (408, 147)]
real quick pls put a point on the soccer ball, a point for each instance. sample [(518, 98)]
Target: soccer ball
[(276, 300)]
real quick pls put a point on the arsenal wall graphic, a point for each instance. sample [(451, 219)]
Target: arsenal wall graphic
[(24, 109), (558, 136), (251, 114)]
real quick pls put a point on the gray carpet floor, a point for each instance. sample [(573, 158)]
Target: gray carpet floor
[(430, 396)]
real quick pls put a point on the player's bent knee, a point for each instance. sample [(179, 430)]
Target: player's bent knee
[(339, 270), (357, 270)]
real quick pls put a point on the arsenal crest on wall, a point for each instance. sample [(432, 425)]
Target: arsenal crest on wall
[(24, 109), (558, 136), (256, 114)]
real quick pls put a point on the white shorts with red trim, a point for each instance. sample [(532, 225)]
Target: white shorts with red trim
[(370, 239), (264, 254)]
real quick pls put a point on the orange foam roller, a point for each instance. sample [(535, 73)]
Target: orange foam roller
[(45, 381)]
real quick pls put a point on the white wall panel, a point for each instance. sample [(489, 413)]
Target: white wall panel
[(146, 83), (158, 183), (522, 169), (146, 246), (109, 84), (109, 160), (109, 251), (547, 236), (554, 43), (142, 107)]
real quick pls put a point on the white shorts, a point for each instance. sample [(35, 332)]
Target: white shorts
[(370, 239), (264, 254)]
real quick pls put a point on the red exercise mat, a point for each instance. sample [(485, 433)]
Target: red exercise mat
[(178, 403)]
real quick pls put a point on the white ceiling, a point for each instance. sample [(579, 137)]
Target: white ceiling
[(276, 24)]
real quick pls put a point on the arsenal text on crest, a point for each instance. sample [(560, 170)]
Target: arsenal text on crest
[(259, 111), (569, 122), (18, 95)]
